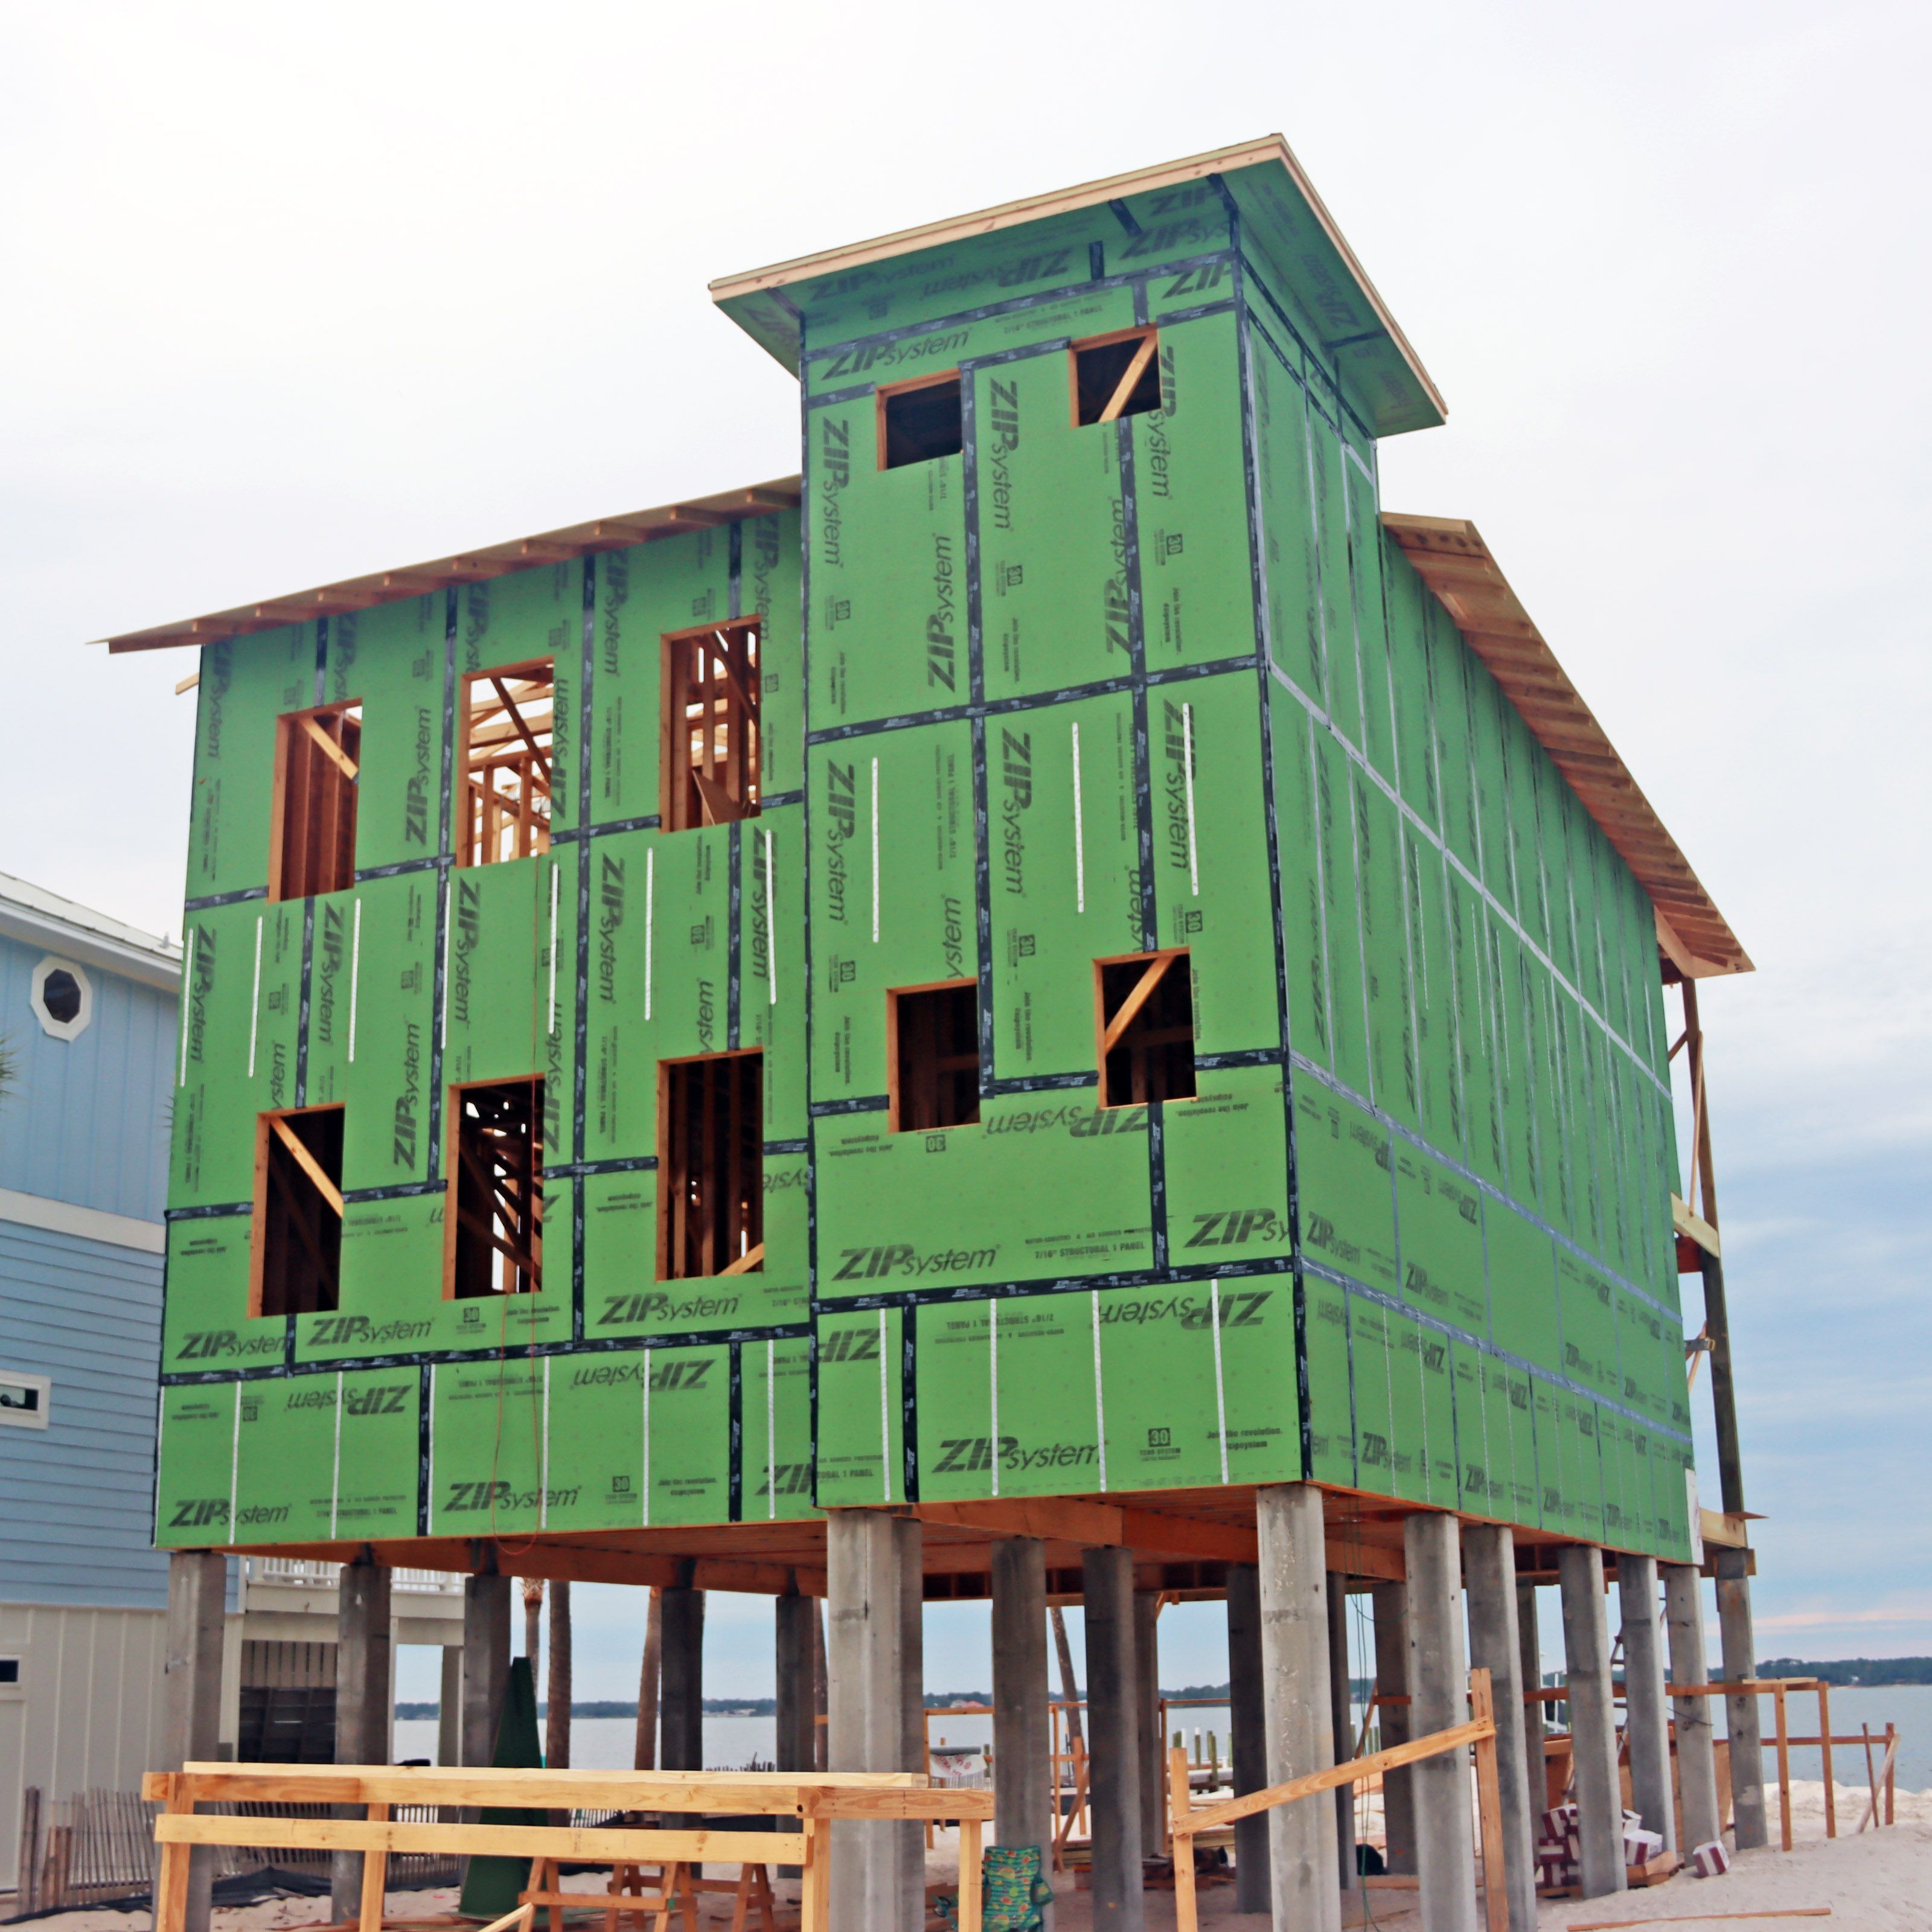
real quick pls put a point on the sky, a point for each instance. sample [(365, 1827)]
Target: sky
[(294, 294)]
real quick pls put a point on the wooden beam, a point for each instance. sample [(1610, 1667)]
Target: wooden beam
[(752, 1259), (328, 745), (306, 1162), (1143, 991), (1125, 388)]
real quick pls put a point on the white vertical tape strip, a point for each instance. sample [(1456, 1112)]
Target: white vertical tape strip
[(255, 1001), (993, 1390), (335, 1478), (650, 894), (644, 1472), (188, 994), (543, 1468), (355, 971), (1079, 834), (875, 851), (885, 1412), (432, 1445), (771, 1405), (1099, 1393), (234, 1460), (555, 875), (1220, 1391), (771, 926), (1187, 775)]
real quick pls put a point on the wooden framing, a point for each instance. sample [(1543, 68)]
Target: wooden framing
[(493, 1212), (294, 1238), (1185, 1821), (312, 821), (711, 1111), (920, 1097), (709, 740), (1145, 1067), (503, 752), (1120, 390), (812, 1799), (890, 393)]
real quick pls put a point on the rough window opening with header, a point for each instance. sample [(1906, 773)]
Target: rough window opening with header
[(1115, 375), (312, 840), (507, 717), (296, 1241), (920, 420), (711, 1165), (492, 1221), (710, 710), (934, 1044), (1144, 1009)]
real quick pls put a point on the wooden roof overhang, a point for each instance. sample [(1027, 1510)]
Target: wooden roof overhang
[(470, 566), (1451, 557)]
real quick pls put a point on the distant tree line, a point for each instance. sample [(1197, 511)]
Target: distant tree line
[(1847, 1670)]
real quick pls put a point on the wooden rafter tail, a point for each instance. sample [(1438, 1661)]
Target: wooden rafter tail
[(328, 745), (306, 1162), (1131, 1006), (1118, 400), (751, 1259)]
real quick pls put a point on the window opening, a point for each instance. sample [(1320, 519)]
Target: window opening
[(1146, 1028), (297, 1231), (62, 997), (506, 740), (711, 1221), (1116, 376), (312, 844), (920, 420), (493, 1222), (60, 994), (710, 762), (935, 1050)]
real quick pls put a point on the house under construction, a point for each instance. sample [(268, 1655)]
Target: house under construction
[(1059, 1005)]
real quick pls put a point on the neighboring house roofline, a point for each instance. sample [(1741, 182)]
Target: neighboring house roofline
[(37, 917)]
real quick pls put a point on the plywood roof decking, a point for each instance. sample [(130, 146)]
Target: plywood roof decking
[(392, 587), (1451, 558)]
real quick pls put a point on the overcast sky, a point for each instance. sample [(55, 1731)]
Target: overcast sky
[(293, 294)]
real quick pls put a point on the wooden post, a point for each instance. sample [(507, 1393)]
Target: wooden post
[(1180, 1803), (375, 1873), (1489, 1805), (1825, 1745), (171, 1888), (1783, 1766), (1891, 1768), (969, 1875)]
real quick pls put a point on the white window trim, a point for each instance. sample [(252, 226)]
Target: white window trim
[(62, 1029), (26, 1418)]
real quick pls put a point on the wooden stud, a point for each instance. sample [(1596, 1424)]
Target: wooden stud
[(1118, 400), (970, 1874), (375, 1873), (1180, 1839), (1783, 1766), (1489, 1803)]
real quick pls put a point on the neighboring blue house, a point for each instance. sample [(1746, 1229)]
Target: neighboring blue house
[(87, 1020)]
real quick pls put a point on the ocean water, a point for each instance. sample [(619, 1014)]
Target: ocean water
[(606, 1744)]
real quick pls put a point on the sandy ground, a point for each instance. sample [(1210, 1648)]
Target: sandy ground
[(1880, 1881)]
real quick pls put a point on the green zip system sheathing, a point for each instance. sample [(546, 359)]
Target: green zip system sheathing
[(1073, 692)]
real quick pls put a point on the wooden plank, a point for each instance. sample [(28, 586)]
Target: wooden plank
[(1377, 1762), (775, 1792), (751, 1259), (968, 1806), (970, 1870), (1143, 991), (171, 1884), (599, 1845), (1825, 1752), (1784, 1768), (1490, 1803), (1180, 1806), (1125, 389), (306, 1161), (375, 1871), (344, 762)]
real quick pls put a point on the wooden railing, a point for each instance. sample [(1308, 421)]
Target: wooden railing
[(1185, 1819), (814, 1799)]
